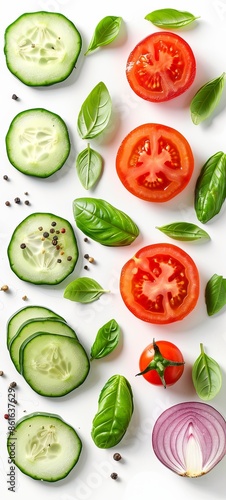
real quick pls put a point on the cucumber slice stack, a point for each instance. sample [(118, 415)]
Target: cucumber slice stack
[(43, 249), (37, 142), (44, 447), (42, 48), (46, 351)]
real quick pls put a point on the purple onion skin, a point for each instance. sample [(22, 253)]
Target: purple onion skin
[(190, 438)]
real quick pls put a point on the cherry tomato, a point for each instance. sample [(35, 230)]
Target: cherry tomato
[(161, 363), (154, 162), (160, 284), (162, 66)]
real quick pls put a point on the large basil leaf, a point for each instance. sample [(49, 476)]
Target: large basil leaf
[(184, 231), (105, 32), (170, 18), (210, 187), (95, 112), (206, 376), (83, 290), (115, 409), (106, 340), (89, 167), (104, 223), (215, 294), (206, 99)]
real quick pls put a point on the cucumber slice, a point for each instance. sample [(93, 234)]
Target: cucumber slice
[(41, 48), (44, 447), (54, 326), (53, 365), (43, 249), (25, 313), (37, 142)]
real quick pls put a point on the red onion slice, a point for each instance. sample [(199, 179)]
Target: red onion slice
[(190, 438)]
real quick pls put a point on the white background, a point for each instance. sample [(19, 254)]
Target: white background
[(140, 473)]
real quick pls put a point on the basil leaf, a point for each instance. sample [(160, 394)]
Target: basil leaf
[(215, 294), (183, 231), (170, 18), (83, 290), (206, 376), (104, 223), (210, 187), (89, 167), (106, 340), (105, 32), (115, 408), (206, 99), (95, 112)]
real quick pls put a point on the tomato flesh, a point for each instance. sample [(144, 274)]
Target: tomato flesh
[(160, 67), (154, 162), (160, 284), (169, 351)]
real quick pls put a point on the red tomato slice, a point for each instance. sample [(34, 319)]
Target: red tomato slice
[(160, 284), (161, 67), (154, 162)]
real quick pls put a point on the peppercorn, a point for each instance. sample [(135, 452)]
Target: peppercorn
[(13, 384), (86, 239), (86, 268), (117, 456), (46, 234), (27, 202), (15, 97), (69, 257), (91, 259), (1, 373), (5, 177), (86, 256), (17, 200), (59, 261), (7, 203), (23, 245), (53, 223), (4, 288), (114, 475), (24, 297), (6, 416)]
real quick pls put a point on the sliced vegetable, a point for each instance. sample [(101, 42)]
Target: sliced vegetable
[(105, 32), (43, 249), (42, 48), (47, 325), (53, 365), (37, 142), (215, 294), (160, 67), (44, 447), (170, 18), (115, 409), (160, 283), (161, 363), (24, 314), (154, 162), (184, 231), (106, 340), (207, 99), (89, 165), (95, 112), (210, 189), (84, 290), (190, 438), (103, 222), (206, 376)]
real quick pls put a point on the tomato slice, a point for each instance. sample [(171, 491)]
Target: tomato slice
[(154, 162), (160, 284), (160, 67)]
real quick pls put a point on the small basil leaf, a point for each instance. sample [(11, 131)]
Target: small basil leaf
[(170, 18), (95, 112), (210, 188), (184, 231), (104, 223), (206, 376), (215, 294), (115, 409), (105, 32), (206, 99), (83, 290), (89, 167), (106, 340)]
